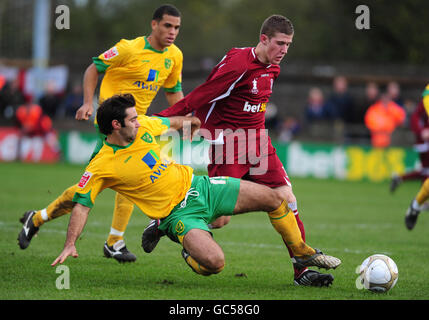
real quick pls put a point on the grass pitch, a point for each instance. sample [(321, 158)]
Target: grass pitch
[(350, 220)]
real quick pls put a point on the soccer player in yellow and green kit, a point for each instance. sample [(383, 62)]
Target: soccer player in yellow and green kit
[(141, 67), (130, 163)]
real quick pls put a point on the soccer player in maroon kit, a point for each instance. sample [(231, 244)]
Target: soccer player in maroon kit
[(419, 123), (231, 106)]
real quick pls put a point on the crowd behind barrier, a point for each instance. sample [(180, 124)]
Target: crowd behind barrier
[(333, 115)]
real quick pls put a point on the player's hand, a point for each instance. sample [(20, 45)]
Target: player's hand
[(84, 112), (189, 131), (67, 251), (195, 126)]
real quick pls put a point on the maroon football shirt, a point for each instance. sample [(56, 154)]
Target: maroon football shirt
[(234, 95)]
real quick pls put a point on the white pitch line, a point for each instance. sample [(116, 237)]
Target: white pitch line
[(11, 226)]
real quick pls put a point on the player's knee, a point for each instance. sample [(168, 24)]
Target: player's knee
[(275, 200), (285, 193), (216, 262), (218, 269), (290, 198)]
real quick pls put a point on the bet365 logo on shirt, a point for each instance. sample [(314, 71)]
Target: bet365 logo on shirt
[(254, 107)]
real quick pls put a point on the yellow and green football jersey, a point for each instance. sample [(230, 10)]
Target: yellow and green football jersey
[(133, 66), (138, 172)]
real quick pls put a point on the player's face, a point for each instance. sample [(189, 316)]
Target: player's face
[(276, 47), (166, 30), (129, 132)]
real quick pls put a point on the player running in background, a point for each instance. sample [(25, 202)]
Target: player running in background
[(422, 196), (231, 106), (130, 163), (419, 124), (140, 66)]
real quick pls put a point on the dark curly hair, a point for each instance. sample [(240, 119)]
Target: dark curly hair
[(114, 108)]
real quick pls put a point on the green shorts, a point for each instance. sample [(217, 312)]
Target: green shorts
[(206, 200)]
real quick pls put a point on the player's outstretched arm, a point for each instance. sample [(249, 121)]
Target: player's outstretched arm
[(219, 85), (90, 80), (77, 222)]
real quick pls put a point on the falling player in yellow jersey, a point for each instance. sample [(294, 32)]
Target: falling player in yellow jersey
[(141, 66), (185, 203), (422, 196)]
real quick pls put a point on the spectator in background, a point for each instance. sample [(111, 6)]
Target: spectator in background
[(288, 129), (372, 95), (316, 108), (410, 107), (271, 119), (341, 101), (72, 101), (50, 101), (207, 64), (394, 91), (382, 118), (32, 123), (2, 81), (31, 120), (11, 97)]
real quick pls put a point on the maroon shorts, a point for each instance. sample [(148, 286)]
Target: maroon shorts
[(424, 159), (268, 171)]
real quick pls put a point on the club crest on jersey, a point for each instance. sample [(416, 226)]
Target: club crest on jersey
[(255, 86), (84, 179), (147, 137), (111, 53), (167, 63)]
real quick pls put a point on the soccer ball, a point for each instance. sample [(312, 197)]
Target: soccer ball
[(378, 273)]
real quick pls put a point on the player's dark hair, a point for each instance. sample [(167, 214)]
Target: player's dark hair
[(113, 108), (165, 9), (276, 23)]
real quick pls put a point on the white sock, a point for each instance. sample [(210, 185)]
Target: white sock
[(115, 232), (294, 207), (415, 205), (44, 214)]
